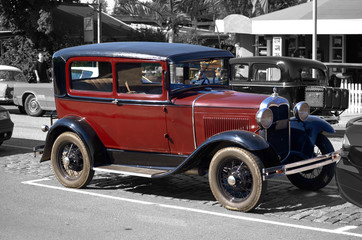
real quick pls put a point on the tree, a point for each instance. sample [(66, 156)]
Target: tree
[(31, 23)]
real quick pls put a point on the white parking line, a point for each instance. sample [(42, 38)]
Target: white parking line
[(339, 231)]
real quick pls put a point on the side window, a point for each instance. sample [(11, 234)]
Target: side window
[(241, 72), (139, 78), (266, 73), (91, 76)]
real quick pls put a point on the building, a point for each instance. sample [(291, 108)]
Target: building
[(288, 32)]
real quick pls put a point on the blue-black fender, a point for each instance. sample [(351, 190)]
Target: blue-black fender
[(80, 127), (304, 134), (247, 140)]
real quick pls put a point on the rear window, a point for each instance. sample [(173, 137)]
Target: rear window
[(313, 75)]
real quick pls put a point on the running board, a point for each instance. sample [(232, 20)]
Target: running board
[(133, 171)]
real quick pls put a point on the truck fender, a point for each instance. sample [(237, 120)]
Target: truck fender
[(243, 139), (81, 127), (304, 134)]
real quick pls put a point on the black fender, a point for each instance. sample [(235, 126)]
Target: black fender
[(243, 139), (81, 127), (304, 134)]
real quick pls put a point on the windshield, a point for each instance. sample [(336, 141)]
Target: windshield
[(196, 73), (12, 76)]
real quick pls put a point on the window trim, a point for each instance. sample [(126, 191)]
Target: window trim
[(114, 94)]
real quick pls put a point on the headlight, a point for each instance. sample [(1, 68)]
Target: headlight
[(301, 111), (4, 115), (264, 118)]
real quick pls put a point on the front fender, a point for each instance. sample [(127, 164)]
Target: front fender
[(304, 134), (79, 126), (243, 139)]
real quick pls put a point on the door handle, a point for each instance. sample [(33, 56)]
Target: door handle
[(115, 101)]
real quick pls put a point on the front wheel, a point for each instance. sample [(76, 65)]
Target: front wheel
[(317, 178), (235, 179), (32, 106), (71, 161)]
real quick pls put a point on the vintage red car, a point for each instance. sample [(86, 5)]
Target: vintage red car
[(156, 109)]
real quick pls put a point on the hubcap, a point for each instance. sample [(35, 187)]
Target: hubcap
[(235, 180), (231, 180)]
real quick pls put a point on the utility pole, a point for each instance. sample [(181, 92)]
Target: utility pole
[(314, 40), (99, 20)]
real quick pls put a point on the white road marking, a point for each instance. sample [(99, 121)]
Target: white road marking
[(339, 231)]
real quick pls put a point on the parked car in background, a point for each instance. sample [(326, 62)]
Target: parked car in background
[(8, 77), (349, 168), (34, 98), (31, 98), (6, 125), (297, 79), (140, 115)]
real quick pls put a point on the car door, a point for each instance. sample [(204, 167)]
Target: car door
[(139, 116), (122, 101)]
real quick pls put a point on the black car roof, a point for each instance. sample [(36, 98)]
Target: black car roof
[(172, 52), (289, 62)]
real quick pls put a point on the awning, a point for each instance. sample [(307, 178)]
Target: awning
[(334, 17)]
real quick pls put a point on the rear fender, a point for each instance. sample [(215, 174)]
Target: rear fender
[(243, 139), (304, 134), (79, 126)]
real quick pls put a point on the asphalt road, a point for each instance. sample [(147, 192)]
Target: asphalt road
[(35, 206)]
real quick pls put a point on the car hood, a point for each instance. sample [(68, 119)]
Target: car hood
[(219, 98)]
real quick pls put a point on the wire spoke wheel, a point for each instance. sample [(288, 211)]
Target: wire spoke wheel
[(235, 179), (317, 178), (71, 161)]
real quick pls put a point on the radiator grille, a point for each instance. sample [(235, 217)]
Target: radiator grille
[(214, 125)]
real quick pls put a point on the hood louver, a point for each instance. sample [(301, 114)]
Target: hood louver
[(214, 125)]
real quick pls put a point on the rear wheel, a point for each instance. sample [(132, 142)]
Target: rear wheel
[(235, 179), (71, 161), (317, 178), (32, 106)]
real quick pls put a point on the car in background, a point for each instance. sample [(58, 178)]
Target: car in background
[(31, 98), (6, 125), (8, 77), (34, 99), (297, 79), (349, 169)]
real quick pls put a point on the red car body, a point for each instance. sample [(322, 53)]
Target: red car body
[(156, 109)]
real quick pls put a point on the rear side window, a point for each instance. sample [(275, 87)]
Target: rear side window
[(139, 78), (91, 76), (265, 73)]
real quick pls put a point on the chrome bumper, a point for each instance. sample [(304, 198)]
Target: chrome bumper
[(301, 166)]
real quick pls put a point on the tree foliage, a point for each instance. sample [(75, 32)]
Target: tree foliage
[(31, 22)]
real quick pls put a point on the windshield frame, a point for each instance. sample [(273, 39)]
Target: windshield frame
[(224, 75)]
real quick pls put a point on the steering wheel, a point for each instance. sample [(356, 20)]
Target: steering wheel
[(204, 81)]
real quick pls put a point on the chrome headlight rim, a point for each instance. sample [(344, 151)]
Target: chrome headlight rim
[(264, 118), (301, 111)]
